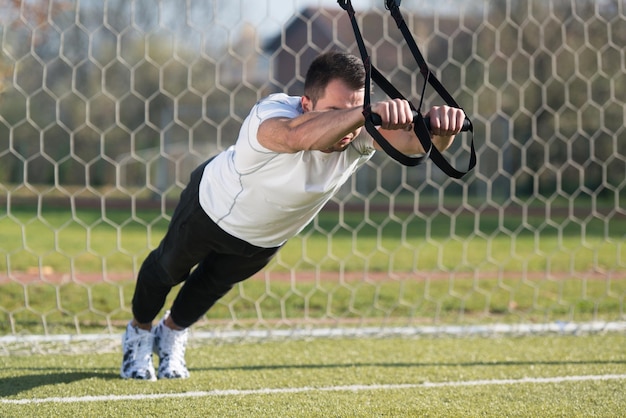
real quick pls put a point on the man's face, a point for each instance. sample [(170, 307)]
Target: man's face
[(338, 96)]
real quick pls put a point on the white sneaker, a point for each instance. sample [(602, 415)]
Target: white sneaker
[(170, 346), (137, 345)]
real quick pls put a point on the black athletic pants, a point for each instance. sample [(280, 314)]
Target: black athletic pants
[(194, 239)]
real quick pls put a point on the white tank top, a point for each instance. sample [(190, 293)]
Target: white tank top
[(265, 197)]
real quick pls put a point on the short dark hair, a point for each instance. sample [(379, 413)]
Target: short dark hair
[(332, 66)]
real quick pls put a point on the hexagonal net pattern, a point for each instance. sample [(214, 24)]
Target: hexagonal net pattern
[(106, 107)]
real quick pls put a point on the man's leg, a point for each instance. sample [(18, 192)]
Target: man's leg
[(211, 280), (166, 266), (179, 251)]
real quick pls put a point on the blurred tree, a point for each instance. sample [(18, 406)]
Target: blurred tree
[(20, 24), (553, 70)]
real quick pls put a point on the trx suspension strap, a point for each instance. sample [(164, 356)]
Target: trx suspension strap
[(420, 123)]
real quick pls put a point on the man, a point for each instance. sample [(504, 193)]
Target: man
[(292, 155)]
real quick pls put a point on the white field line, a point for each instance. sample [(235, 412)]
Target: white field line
[(558, 327), (347, 388)]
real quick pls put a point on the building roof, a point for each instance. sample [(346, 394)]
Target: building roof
[(315, 30)]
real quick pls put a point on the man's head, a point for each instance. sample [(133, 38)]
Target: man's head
[(335, 81), (333, 66)]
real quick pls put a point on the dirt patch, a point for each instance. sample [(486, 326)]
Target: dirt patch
[(46, 275)]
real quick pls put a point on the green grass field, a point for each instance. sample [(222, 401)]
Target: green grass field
[(88, 240), (531, 270), (529, 376), (511, 254), (379, 303)]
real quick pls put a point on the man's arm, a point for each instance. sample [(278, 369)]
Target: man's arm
[(310, 131), (320, 130)]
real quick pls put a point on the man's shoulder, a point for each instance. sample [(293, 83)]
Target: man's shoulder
[(282, 99), (279, 105)]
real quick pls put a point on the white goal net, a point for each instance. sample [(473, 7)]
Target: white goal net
[(107, 105)]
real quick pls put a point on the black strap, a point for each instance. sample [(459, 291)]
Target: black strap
[(420, 129)]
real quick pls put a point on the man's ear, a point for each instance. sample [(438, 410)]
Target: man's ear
[(307, 103)]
